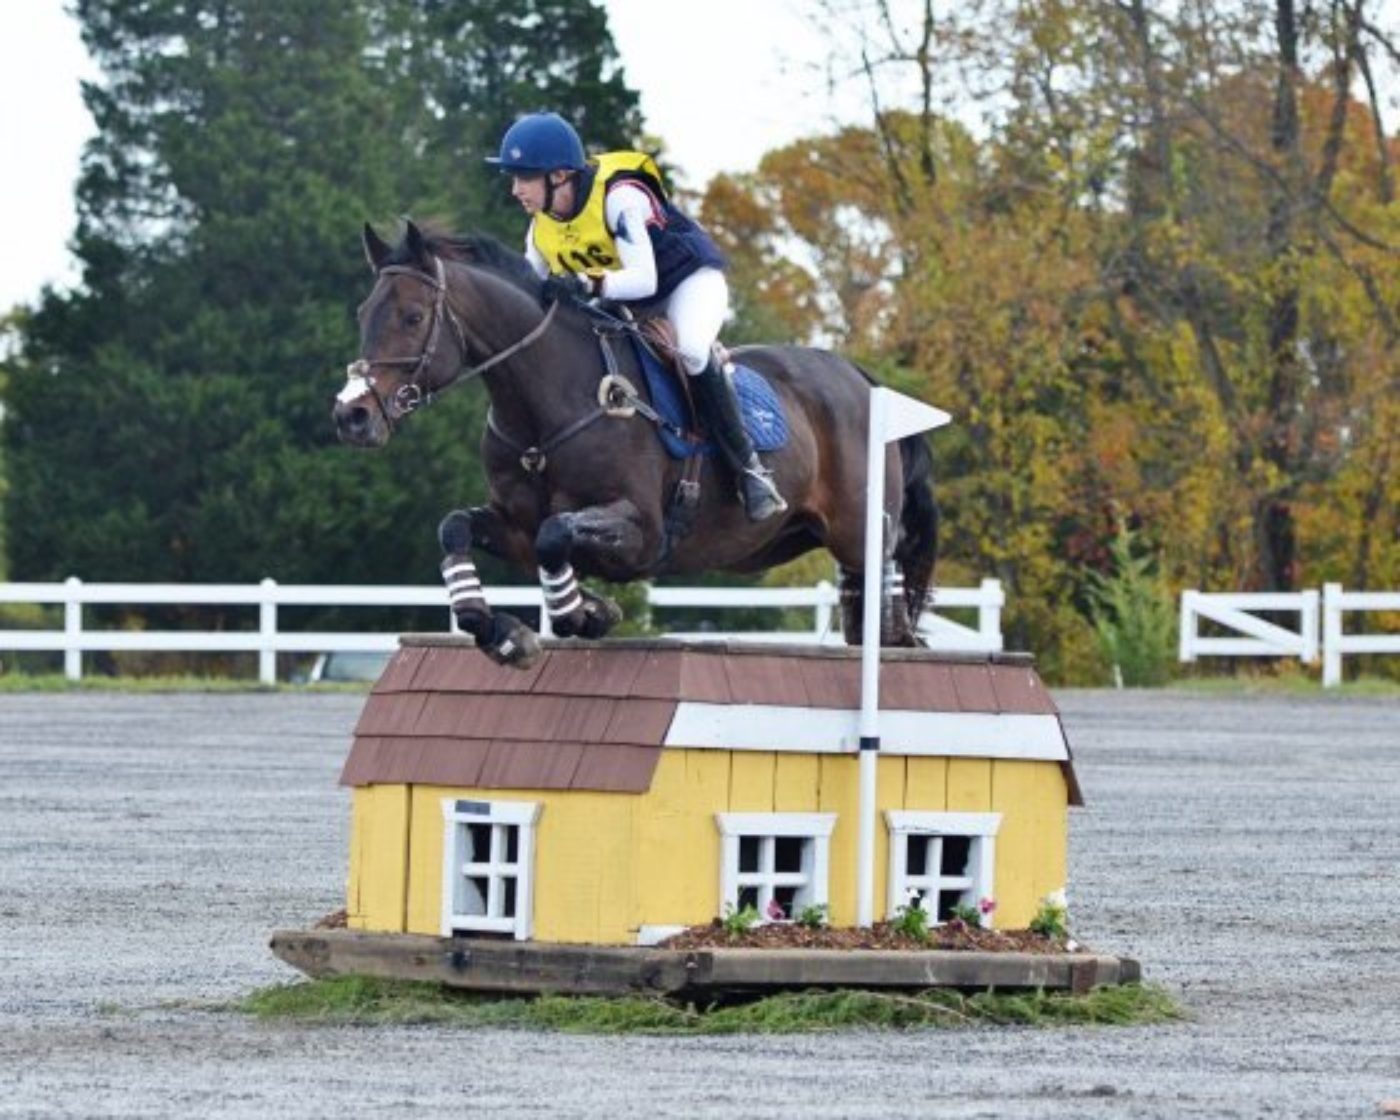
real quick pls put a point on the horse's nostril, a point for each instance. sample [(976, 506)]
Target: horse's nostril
[(351, 419)]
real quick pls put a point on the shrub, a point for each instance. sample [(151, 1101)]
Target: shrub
[(1134, 615)]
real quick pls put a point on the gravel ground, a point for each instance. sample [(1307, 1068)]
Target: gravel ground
[(1243, 848)]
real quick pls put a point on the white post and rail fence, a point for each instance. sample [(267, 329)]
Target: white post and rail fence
[(1320, 630), (78, 636)]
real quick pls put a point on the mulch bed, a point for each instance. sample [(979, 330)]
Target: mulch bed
[(954, 935), (951, 935)]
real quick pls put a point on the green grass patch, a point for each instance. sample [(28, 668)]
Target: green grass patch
[(363, 1001), (1286, 683)]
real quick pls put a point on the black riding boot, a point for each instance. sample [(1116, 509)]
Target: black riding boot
[(719, 412)]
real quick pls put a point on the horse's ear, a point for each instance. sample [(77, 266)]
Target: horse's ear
[(377, 250), (417, 243)]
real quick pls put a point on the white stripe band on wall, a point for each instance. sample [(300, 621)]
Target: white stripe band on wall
[(773, 727)]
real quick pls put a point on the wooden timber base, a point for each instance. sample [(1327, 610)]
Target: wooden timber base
[(532, 967)]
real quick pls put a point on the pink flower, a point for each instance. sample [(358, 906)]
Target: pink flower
[(775, 911), (987, 905)]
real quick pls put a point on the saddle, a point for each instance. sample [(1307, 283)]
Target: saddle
[(673, 414), (669, 387)]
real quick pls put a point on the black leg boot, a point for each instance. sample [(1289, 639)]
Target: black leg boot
[(719, 411)]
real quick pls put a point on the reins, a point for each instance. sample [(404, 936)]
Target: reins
[(616, 395), (411, 395)]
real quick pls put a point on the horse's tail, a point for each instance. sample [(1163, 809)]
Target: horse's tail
[(917, 545)]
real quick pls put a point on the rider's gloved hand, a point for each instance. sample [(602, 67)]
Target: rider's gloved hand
[(567, 287)]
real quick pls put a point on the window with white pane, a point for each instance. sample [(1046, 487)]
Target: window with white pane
[(775, 862), (488, 867), (941, 860)]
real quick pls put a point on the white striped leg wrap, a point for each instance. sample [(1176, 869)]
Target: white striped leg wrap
[(894, 581), (561, 593), (463, 584)]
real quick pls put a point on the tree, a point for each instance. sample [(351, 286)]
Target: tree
[(170, 420), (1151, 269), (479, 64)]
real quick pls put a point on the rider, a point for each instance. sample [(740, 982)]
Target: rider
[(604, 228)]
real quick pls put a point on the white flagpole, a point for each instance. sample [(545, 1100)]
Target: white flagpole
[(892, 417), (869, 729)]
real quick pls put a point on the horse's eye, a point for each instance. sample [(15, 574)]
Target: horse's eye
[(413, 318)]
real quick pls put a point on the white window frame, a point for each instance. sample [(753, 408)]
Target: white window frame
[(978, 883), (457, 814), (813, 879)]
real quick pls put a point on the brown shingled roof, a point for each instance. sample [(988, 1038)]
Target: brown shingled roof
[(591, 715)]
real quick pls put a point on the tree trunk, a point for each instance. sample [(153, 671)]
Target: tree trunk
[(1274, 529)]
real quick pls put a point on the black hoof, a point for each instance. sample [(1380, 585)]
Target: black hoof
[(514, 644), (592, 620), (599, 617)]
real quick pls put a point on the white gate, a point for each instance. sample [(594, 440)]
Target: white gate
[(1254, 636)]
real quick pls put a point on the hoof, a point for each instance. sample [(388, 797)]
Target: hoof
[(600, 616), (592, 620), (515, 646)]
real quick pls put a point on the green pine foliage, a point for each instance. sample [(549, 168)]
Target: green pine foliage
[(1134, 614)]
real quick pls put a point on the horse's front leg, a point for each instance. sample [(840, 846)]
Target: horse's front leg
[(610, 538), (501, 636)]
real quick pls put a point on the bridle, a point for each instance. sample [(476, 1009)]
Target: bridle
[(411, 393)]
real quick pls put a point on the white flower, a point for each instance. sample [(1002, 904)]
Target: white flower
[(1057, 899)]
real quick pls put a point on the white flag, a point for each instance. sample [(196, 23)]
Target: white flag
[(904, 415)]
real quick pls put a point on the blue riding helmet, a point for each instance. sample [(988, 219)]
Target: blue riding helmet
[(539, 143)]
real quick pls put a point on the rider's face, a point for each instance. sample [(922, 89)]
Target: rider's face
[(530, 192)]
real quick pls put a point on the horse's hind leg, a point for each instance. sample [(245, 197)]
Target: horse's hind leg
[(852, 592), (895, 626), (609, 538), (501, 636)]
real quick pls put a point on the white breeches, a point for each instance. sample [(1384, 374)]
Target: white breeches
[(697, 309)]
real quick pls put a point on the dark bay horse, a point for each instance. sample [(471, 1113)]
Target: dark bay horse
[(579, 479)]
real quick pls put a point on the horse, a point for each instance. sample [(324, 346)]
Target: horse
[(580, 483)]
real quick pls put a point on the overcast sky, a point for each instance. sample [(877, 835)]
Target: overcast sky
[(721, 81), (741, 77)]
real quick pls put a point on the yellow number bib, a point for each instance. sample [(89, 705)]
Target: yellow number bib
[(583, 244)]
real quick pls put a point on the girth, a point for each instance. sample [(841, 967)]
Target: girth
[(616, 397)]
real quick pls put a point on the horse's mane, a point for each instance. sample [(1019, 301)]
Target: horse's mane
[(478, 249)]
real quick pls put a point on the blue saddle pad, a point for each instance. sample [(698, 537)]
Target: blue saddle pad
[(763, 415)]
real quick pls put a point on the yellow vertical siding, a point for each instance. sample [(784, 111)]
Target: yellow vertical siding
[(839, 793), (890, 786), (378, 882), (926, 785), (796, 778), (969, 785), (751, 778), (1031, 846), (586, 886), (678, 841), (426, 833), (678, 846)]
